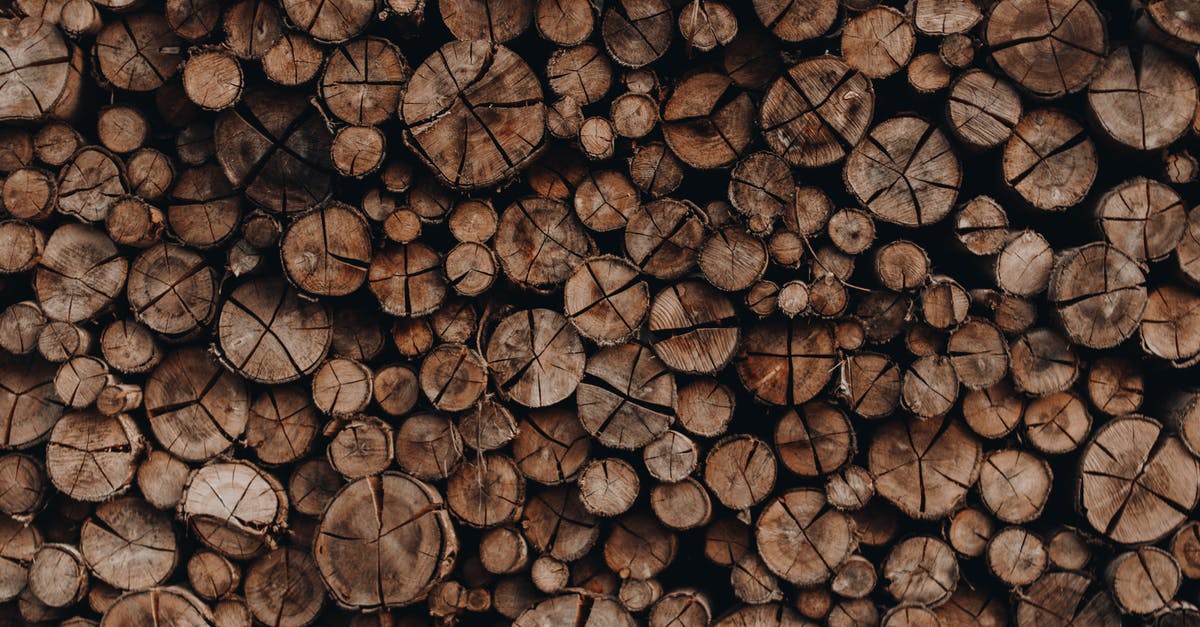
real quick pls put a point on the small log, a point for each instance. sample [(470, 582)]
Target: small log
[(133, 222), (682, 505), (433, 132), (705, 407), (1073, 597), (581, 73), (1018, 32), (605, 301), (535, 357), (428, 446), (556, 524), (753, 582), (551, 446), (1142, 581), (21, 324), (981, 226), (158, 605), (921, 569), (928, 74), (968, 531), (706, 25), (172, 291), (234, 508), (129, 347), (283, 588), (129, 545), (160, 479), (870, 384), (740, 471), (823, 92), (294, 59), (503, 550), (637, 33), (627, 397), (827, 537), (1068, 549), (330, 23), (815, 440), (785, 363), (204, 208), (92, 457), (79, 273), (138, 52), (312, 486), (360, 447), (982, 109), (707, 121), (1142, 218), (940, 450), (633, 115), (358, 150), (878, 42), (57, 575), (23, 246), (196, 408), (1042, 362), (269, 335), (1142, 98), (671, 457), (655, 170), (1122, 454), (911, 183), (1050, 161), (605, 200), (213, 576), (564, 22), (29, 194), (794, 22), (1015, 485), (608, 487), (1057, 423), (539, 242)]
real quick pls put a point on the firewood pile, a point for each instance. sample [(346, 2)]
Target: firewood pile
[(599, 312)]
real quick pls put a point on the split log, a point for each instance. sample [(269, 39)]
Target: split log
[(1020, 33), (905, 172), (822, 92), (439, 105), (234, 508), (1142, 98), (899, 461), (1049, 161), (129, 545)]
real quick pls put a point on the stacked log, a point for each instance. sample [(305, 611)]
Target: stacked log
[(568, 312)]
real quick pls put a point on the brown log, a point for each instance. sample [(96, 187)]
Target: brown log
[(158, 605), (793, 22), (968, 531), (1073, 597), (906, 173), (982, 109), (196, 408), (431, 138), (740, 471), (556, 523), (921, 569), (605, 301), (1142, 581), (234, 508), (20, 326), (1137, 452), (1067, 548), (360, 447), (706, 25), (129, 545), (1057, 423), (294, 59), (428, 446), (786, 363), (870, 384), (30, 194), (636, 34), (535, 357), (655, 170), (160, 479), (815, 440), (22, 485), (626, 397), (1018, 32), (927, 73), (1142, 98), (37, 43), (941, 450), (823, 92), (878, 42), (705, 407), (213, 576), (1042, 362), (707, 121), (564, 22), (1015, 485), (1049, 145)]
